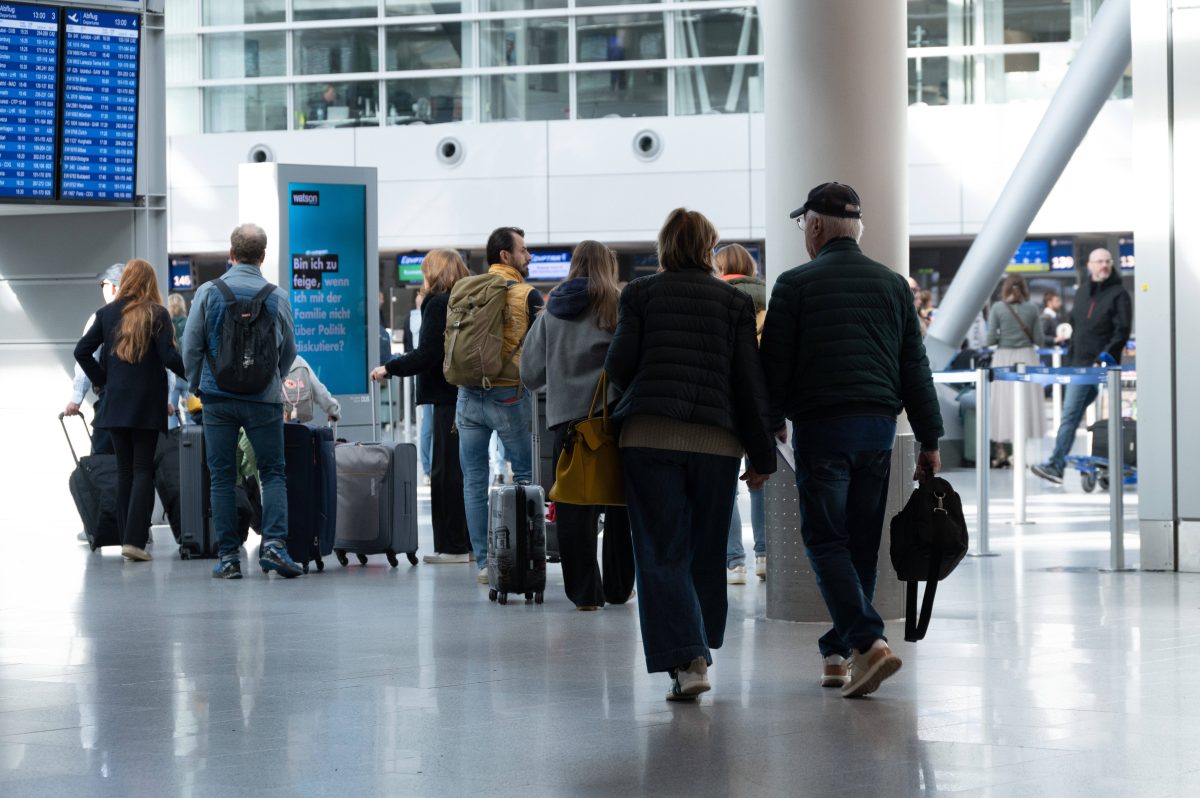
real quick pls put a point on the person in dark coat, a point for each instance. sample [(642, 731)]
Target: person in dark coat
[(442, 269), (138, 339), (693, 400)]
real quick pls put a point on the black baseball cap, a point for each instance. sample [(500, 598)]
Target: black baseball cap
[(832, 199)]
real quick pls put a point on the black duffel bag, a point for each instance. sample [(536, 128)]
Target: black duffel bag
[(929, 540)]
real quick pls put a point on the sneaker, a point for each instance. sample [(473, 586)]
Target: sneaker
[(437, 558), (868, 669), (1048, 472), (689, 681), (135, 554), (836, 672), (483, 577), (760, 566), (736, 575), (273, 557), (586, 607), (227, 569), (82, 537)]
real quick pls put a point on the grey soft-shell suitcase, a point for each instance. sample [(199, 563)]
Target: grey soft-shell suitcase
[(516, 558), (376, 501)]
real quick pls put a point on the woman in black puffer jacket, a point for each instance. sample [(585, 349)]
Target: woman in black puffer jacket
[(693, 401)]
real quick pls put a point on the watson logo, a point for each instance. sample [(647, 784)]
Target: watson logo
[(306, 197)]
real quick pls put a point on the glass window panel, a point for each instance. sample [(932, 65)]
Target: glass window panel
[(243, 12), (326, 52), (404, 8), (428, 101), (183, 59), (591, 3), (620, 37), (731, 89), (304, 10), (929, 22), (724, 32), (245, 55), (529, 96), (941, 80), (1036, 21), (343, 104), (521, 5), (512, 42), (621, 92), (230, 109), (438, 46), (180, 15), (183, 111)]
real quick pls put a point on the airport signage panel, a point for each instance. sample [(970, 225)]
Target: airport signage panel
[(408, 267), (549, 265), (28, 100)]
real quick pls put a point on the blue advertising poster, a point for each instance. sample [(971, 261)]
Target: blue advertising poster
[(327, 242)]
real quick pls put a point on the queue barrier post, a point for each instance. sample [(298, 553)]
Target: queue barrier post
[(1056, 390), (983, 385), (1020, 399), (1116, 472)]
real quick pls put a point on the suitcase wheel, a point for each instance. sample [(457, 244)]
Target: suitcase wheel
[(412, 557), (392, 559), (362, 559), (503, 598), (528, 597), (320, 565), (93, 545), (538, 598), (492, 594), (184, 554), (305, 567), (341, 557)]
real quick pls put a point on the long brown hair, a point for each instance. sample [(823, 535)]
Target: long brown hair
[(1015, 290), (442, 269), (597, 263), (139, 289)]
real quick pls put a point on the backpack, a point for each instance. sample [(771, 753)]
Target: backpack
[(475, 318), (297, 395), (929, 539), (247, 356)]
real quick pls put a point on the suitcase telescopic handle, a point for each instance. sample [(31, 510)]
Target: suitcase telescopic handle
[(62, 422), (376, 432)]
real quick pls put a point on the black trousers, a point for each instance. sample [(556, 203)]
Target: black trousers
[(446, 486), (577, 528), (135, 482)]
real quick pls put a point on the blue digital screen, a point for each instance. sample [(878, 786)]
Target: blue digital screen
[(1125, 254), (549, 264), (1062, 255), (180, 274), (408, 267), (28, 100), (100, 92), (1032, 256), (327, 241)]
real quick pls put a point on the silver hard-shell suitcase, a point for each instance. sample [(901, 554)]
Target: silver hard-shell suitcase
[(376, 501), (516, 558)]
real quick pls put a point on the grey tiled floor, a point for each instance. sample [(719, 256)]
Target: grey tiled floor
[(1040, 677)]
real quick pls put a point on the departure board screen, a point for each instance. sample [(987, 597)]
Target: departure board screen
[(100, 91), (28, 100)]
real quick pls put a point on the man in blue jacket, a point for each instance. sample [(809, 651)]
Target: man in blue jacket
[(225, 412)]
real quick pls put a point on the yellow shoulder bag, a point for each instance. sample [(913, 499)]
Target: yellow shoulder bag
[(589, 469)]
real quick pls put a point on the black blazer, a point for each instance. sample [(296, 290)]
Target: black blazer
[(426, 360), (135, 394)]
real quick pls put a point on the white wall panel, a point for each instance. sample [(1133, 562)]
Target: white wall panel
[(689, 144), (409, 152), (459, 213), (201, 218)]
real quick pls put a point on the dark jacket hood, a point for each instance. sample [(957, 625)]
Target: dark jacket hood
[(569, 300)]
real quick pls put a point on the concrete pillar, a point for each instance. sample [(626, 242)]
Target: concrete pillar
[(835, 100)]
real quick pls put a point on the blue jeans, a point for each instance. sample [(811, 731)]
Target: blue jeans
[(842, 468), (735, 553), (223, 417), (481, 411), (1076, 399), (426, 439), (679, 505)]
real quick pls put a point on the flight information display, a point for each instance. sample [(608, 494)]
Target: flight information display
[(28, 100), (100, 91)]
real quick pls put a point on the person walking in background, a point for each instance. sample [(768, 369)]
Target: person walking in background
[(110, 281), (843, 356), (424, 412), (1015, 328), (693, 401), (226, 410), (177, 307), (736, 267), (442, 268), (565, 354), (1052, 316), (139, 346)]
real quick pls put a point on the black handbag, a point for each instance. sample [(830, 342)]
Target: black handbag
[(929, 539)]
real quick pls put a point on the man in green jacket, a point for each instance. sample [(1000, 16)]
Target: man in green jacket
[(843, 355)]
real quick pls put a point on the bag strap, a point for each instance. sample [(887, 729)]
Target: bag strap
[(225, 290), (914, 627), (601, 397), (1024, 329)]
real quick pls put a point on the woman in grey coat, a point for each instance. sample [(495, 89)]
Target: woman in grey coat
[(1014, 326), (564, 352)]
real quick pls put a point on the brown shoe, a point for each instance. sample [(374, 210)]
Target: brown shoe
[(134, 553), (836, 672), (869, 669)]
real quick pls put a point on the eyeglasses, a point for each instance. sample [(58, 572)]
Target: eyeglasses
[(800, 221)]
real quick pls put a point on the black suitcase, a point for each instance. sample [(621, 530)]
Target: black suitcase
[(516, 557), (312, 493), (166, 478), (197, 538), (1099, 432), (93, 486)]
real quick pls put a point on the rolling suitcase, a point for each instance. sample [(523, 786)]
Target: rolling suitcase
[(197, 537), (516, 557), (93, 486), (376, 507), (166, 478), (311, 512)]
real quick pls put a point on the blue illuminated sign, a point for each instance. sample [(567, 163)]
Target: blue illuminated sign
[(28, 100), (100, 92), (549, 264), (408, 267), (1062, 255), (180, 273)]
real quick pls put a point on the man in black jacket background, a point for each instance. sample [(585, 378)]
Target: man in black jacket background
[(843, 354), (1101, 321)]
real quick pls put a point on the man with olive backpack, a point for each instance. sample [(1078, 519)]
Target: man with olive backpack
[(487, 319)]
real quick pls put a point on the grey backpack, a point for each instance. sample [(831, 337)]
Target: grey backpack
[(298, 395)]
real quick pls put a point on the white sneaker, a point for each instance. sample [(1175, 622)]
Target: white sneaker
[(836, 671), (437, 558), (760, 566), (82, 537), (736, 575), (868, 669), (134, 553), (689, 682), (483, 577)]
